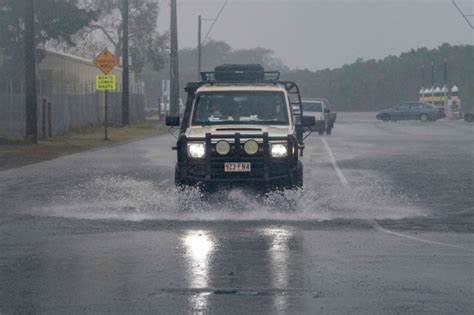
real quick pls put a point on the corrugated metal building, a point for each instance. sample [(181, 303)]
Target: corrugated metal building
[(61, 73)]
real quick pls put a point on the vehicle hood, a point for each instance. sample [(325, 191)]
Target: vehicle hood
[(273, 131)]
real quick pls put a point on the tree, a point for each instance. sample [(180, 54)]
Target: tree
[(375, 84), (219, 52), (56, 21), (147, 45)]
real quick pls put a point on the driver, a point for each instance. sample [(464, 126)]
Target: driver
[(216, 109)]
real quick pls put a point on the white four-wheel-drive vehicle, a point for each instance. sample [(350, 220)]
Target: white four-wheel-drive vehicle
[(321, 110), (241, 126)]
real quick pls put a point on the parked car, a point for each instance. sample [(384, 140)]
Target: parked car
[(412, 111), (321, 110)]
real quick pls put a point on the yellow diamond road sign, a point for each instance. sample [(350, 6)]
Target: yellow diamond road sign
[(106, 61), (105, 83)]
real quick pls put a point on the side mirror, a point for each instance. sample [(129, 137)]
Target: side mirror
[(172, 121), (327, 110), (309, 121)]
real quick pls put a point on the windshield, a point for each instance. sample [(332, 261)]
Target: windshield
[(312, 106), (240, 107)]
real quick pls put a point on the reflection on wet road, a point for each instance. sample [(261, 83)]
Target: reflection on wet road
[(103, 231), (199, 247)]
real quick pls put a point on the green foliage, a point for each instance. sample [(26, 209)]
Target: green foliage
[(215, 53), (374, 84), (147, 45), (56, 20), (365, 85)]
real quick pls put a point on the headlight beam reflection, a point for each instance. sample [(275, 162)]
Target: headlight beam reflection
[(199, 247)]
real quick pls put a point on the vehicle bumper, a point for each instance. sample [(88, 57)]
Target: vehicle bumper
[(265, 169)]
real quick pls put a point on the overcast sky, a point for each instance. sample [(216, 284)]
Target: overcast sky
[(318, 34)]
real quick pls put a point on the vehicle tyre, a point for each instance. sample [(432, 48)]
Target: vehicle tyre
[(329, 130), (469, 117), (424, 117), (386, 117), (178, 181), (298, 176)]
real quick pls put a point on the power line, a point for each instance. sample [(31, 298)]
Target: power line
[(465, 16), (215, 20)]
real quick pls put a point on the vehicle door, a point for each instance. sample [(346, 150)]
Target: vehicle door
[(415, 111), (401, 112)]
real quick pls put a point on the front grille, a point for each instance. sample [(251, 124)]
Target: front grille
[(212, 167)]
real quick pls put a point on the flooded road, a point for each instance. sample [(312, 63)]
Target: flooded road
[(383, 225)]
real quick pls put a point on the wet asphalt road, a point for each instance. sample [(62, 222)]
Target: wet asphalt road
[(385, 227)]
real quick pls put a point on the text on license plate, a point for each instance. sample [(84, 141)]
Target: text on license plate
[(237, 167)]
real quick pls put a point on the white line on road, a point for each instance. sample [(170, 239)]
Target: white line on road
[(379, 228), (375, 225), (334, 164), (164, 182)]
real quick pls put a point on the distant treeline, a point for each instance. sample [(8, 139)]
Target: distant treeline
[(369, 85), (365, 85)]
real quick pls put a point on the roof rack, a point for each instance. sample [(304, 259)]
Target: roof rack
[(241, 77)]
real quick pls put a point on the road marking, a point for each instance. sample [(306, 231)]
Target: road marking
[(334, 164), (379, 228), (164, 182), (375, 225)]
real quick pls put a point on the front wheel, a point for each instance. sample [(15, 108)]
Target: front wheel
[(386, 117), (329, 129), (298, 176), (178, 181)]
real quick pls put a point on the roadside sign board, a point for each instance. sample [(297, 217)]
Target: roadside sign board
[(106, 61), (105, 82)]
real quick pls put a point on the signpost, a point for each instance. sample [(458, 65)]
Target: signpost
[(106, 62)]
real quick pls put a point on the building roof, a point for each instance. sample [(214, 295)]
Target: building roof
[(73, 58)]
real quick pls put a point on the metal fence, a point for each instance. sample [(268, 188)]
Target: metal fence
[(67, 111)]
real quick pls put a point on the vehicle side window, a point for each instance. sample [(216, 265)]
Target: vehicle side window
[(415, 107), (403, 107)]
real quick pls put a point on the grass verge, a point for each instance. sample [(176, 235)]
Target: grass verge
[(15, 153)]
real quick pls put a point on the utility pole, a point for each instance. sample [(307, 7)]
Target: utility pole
[(445, 71), (432, 74), (126, 68), (432, 81), (30, 71), (422, 75), (199, 48), (174, 66)]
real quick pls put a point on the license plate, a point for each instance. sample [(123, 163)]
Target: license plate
[(237, 167)]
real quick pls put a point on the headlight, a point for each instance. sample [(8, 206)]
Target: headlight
[(279, 150), (251, 147), (196, 150)]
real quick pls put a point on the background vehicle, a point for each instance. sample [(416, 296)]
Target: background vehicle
[(469, 116), (321, 110), (411, 111), (241, 126)]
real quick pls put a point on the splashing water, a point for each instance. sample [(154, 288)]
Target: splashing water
[(124, 198)]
